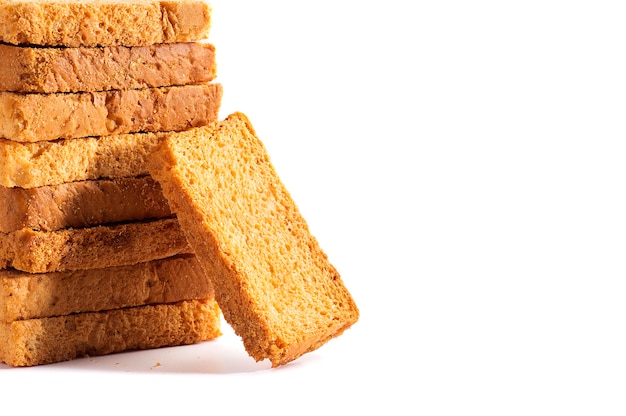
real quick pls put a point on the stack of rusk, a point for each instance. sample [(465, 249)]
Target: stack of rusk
[(92, 259)]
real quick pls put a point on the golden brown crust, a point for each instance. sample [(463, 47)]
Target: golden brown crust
[(94, 247), (273, 282), (52, 70), (42, 295), (77, 23), (30, 165), (41, 117), (81, 204), (49, 340)]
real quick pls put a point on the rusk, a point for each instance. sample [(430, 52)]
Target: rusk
[(30, 165), (42, 295), (41, 117), (51, 70), (81, 204), (103, 22), (273, 282), (90, 248), (61, 338)]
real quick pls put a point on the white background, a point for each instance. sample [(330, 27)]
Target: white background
[(463, 165)]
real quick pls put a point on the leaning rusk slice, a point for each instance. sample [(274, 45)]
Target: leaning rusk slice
[(273, 282)]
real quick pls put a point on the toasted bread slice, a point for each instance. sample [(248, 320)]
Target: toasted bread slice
[(42, 295), (273, 282), (82, 204), (93, 247), (62, 338), (30, 165), (52, 70), (103, 22), (41, 117)]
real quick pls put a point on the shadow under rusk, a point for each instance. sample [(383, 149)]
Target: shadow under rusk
[(210, 357), (223, 355)]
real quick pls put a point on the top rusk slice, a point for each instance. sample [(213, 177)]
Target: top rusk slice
[(75, 23)]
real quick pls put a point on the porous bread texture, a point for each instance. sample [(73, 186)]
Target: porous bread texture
[(77, 23), (42, 295), (93, 247), (81, 204), (52, 70), (62, 338), (41, 117), (30, 165), (272, 280)]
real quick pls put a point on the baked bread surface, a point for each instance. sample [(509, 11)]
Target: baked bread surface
[(93, 247), (42, 117), (77, 23), (82, 204), (62, 338), (52, 70), (30, 165), (273, 282), (42, 295)]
